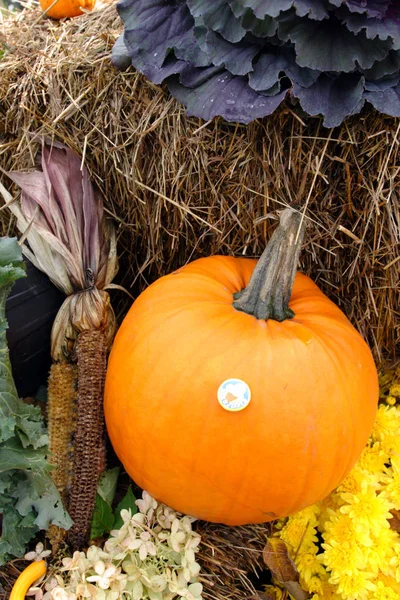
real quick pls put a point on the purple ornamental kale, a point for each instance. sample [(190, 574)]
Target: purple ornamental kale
[(240, 58)]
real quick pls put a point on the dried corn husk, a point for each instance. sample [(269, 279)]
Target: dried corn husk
[(65, 234)]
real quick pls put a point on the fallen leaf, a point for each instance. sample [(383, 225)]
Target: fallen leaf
[(277, 559), (395, 520)]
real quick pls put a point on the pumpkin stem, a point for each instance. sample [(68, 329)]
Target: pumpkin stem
[(269, 290)]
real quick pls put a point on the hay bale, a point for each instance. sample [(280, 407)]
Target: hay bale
[(180, 188)]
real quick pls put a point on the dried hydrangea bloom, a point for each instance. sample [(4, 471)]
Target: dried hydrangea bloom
[(140, 560)]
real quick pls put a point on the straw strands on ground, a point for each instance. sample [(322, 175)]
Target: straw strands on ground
[(231, 560)]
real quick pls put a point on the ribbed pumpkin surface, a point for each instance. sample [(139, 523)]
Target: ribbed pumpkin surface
[(314, 393)]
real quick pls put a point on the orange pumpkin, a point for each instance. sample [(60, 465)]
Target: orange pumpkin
[(66, 8), (312, 379)]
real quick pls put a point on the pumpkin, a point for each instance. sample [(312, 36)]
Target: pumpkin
[(66, 8), (236, 391)]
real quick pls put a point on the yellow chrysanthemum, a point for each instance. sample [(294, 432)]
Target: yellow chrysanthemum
[(328, 506), (274, 592), (316, 584), (387, 429), (391, 483), (395, 389), (368, 510), (382, 551), (360, 554), (357, 481), (279, 524), (372, 461), (299, 530), (307, 563), (309, 515), (391, 445), (389, 383), (323, 590), (396, 563), (391, 400), (389, 582), (383, 592), (340, 528), (354, 586), (385, 381), (342, 558), (387, 422)]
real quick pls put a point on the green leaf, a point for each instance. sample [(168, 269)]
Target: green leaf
[(11, 260), (108, 484), (19, 418), (38, 493), (127, 502), (17, 531), (29, 500), (11, 269), (14, 456), (103, 518)]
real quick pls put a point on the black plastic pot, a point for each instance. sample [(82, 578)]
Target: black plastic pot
[(30, 310)]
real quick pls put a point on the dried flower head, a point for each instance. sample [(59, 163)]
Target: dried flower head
[(39, 553), (152, 556)]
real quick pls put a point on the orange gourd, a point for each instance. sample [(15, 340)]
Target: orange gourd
[(66, 8), (312, 379)]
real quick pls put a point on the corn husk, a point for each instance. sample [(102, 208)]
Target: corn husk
[(65, 234), (60, 216)]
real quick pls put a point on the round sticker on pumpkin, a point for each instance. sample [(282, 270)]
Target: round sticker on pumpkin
[(234, 394)]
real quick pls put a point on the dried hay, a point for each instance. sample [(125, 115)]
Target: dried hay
[(231, 560), (180, 189), (230, 557), (8, 575)]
